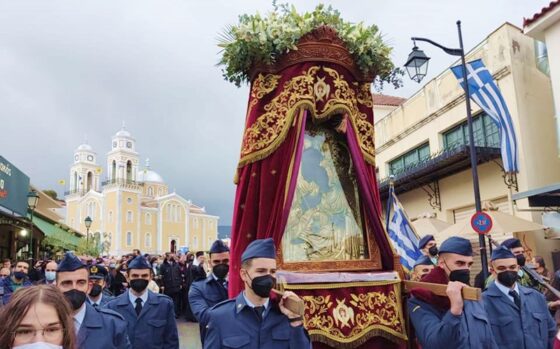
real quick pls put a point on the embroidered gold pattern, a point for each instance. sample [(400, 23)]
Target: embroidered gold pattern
[(270, 129)]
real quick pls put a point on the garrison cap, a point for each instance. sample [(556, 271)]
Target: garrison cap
[(218, 246), (502, 253), (138, 263), (512, 243), (424, 241), (456, 245), (97, 271), (424, 260), (261, 248), (70, 263)]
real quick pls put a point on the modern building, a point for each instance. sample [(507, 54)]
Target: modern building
[(133, 207), (423, 142)]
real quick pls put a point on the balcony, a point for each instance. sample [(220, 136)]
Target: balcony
[(438, 165), (125, 183)]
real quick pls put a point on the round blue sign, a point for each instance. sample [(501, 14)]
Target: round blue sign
[(481, 222)]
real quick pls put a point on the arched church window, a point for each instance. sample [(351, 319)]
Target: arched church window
[(128, 238), (148, 218), (148, 240), (113, 170), (195, 242), (110, 216), (129, 216), (325, 222), (89, 181), (75, 181), (129, 170), (150, 191)]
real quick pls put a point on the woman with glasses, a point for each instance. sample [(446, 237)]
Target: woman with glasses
[(37, 318)]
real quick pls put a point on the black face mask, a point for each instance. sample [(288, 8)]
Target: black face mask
[(76, 298), (262, 285), (433, 251), (96, 290), (508, 278), (138, 285), (520, 260), (19, 275), (220, 270), (461, 275)]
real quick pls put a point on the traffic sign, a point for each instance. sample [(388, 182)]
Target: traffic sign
[(481, 222)]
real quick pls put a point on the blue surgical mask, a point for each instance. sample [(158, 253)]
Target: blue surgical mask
[(50, 275), (38, 345)]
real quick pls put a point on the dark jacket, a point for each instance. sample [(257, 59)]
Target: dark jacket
[(203, 295), (171, 277), (102, 329)]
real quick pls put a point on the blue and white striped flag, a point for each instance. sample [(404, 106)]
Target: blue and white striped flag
[(403, 237), (484, 92)]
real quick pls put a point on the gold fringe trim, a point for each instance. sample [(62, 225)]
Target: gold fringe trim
[(343, 344), (343, 285)]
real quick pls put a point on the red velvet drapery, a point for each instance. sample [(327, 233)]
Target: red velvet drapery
[(273, 136)]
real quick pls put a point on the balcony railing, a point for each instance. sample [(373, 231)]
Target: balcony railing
[(122, 182)]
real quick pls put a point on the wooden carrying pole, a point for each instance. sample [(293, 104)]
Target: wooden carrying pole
[(469, 293)]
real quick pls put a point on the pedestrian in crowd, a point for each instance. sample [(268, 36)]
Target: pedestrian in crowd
[(198, 269), (150, 316), (519, 315), (204, 294), (450, 322), (171, 278), (252, 320), (7, 263), (17, 280), (4, 273), (183, 299), (189, 278), (118, 281), (422, 266), (36, 274), (540, 268), (99, 295), (36, 318), (50, 273), (136, 252), (428, 247), (95, 327)]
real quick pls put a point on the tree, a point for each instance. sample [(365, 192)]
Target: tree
[(51, 193)]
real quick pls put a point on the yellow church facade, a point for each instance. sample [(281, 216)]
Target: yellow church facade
[(133, 207)]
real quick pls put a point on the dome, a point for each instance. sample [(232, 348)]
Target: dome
[(149, 176), (85, 147), (123, 133)]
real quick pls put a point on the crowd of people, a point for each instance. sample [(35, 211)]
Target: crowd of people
[(134, 301)]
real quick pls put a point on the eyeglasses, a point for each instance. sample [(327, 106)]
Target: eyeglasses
[(28, 334)]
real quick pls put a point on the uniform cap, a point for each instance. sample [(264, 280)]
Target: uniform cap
[(502, 253), (218, 247), (138, 263), (261, 248), (424, 241), (512, 243), (424, 260), (97, 272), (456, 245), (70, 263)]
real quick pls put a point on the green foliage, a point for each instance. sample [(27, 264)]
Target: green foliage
[(263, 39), (51, 193), (91, 248)]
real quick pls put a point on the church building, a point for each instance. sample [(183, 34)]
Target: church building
[(133, 207)]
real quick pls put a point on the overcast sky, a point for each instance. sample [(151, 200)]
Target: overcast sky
[(71, 69)]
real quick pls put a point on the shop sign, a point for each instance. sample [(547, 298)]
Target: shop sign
[(14, 186)]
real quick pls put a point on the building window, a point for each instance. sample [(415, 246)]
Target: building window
[(409, 159), (148, 240), (128, 238), (148, 218), (195, 242), (486, 133), (541, 57), (110, 216), (129, 201), (150, 191), (129, 216), (91, 208)]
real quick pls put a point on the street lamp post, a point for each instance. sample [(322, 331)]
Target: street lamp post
[(417, 66), (87, 222), (32, 201)]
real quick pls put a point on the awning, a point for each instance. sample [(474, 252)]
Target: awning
[(548, 196), (64, 238)]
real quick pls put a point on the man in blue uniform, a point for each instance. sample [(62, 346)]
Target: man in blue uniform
[(422, 266), (252, 320), (150, 316), (96, 328), (99, 295), (206, 293), (519, 315), (428, 247), (450, 322)]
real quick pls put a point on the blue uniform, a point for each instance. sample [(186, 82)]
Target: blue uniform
[(203, 295), (532, 328), (9, 287), (234, 324), (102, 329), (155, 327), (105, 299), (441, 329)]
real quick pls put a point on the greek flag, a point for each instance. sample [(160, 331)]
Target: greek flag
[(403, 237), (484, 92)]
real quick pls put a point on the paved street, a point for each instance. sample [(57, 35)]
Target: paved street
[(188, 334)]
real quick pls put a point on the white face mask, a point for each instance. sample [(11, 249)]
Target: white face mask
[(38, 345)]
